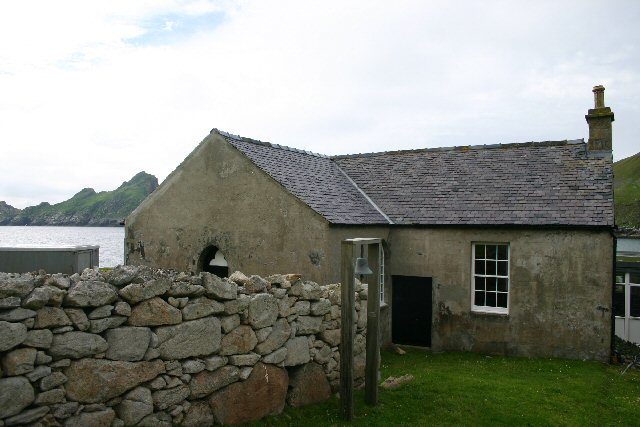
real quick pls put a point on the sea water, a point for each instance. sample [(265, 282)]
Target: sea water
[(110, 239)]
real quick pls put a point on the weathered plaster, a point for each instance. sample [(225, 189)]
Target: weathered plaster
[(218, 197), (560, 290)]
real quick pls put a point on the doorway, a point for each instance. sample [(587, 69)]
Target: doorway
[(411, 310)]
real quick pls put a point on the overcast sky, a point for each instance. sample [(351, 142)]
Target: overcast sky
[(93, 92)]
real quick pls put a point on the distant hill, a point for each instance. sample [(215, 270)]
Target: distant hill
[(106, 208), (626, 174), (7, 211)]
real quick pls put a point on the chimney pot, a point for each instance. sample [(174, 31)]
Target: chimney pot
[(598, 96)]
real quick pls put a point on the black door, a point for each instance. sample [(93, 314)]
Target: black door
[(411, 318)]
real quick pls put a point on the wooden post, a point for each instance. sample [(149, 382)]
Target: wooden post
[(346, 330), (373, 328)]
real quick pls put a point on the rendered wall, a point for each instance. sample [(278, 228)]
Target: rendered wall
[(154, 347), (560, 290)]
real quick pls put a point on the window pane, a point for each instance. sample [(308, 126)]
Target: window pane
[(479, 267), (502, 252), (502, 300), (634, 309), (491, 252), (503, 285), (479, 283), (618, 300), (479, 251), (491, 299), (491, 268), (491, 283), (634, 278), (503, 268), (479, 300), (620, 277)]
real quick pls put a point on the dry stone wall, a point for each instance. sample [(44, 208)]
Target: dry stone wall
[(137, 346)]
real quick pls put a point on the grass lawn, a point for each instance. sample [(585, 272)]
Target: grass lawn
[(472, 389)]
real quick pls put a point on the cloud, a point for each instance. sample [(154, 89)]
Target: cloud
[(93, 92)]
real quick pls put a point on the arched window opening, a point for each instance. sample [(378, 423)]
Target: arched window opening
[(212, 261)]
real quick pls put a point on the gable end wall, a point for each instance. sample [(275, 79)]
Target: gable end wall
[(218, 197)]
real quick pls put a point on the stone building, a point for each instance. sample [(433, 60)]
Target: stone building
[(496, 248)]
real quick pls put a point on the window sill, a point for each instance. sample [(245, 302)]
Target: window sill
[(383, 305), (480, 312)]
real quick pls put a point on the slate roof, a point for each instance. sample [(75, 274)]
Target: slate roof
[(557, 183), (552, 183), (312, 178)]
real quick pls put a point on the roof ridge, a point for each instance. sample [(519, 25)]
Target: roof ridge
[(412, 150), (267, 144), (466, 148)]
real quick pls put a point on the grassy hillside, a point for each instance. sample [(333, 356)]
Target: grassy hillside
[(627, 191), (88, 207)]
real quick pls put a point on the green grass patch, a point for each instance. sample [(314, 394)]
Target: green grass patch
[(472, 389)]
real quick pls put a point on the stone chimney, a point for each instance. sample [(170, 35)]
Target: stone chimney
[(599, 120)]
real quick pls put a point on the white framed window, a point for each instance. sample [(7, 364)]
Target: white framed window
[(490, 277), (381, 273), (626, 305)]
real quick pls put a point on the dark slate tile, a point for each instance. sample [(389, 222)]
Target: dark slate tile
[(558, 183)]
